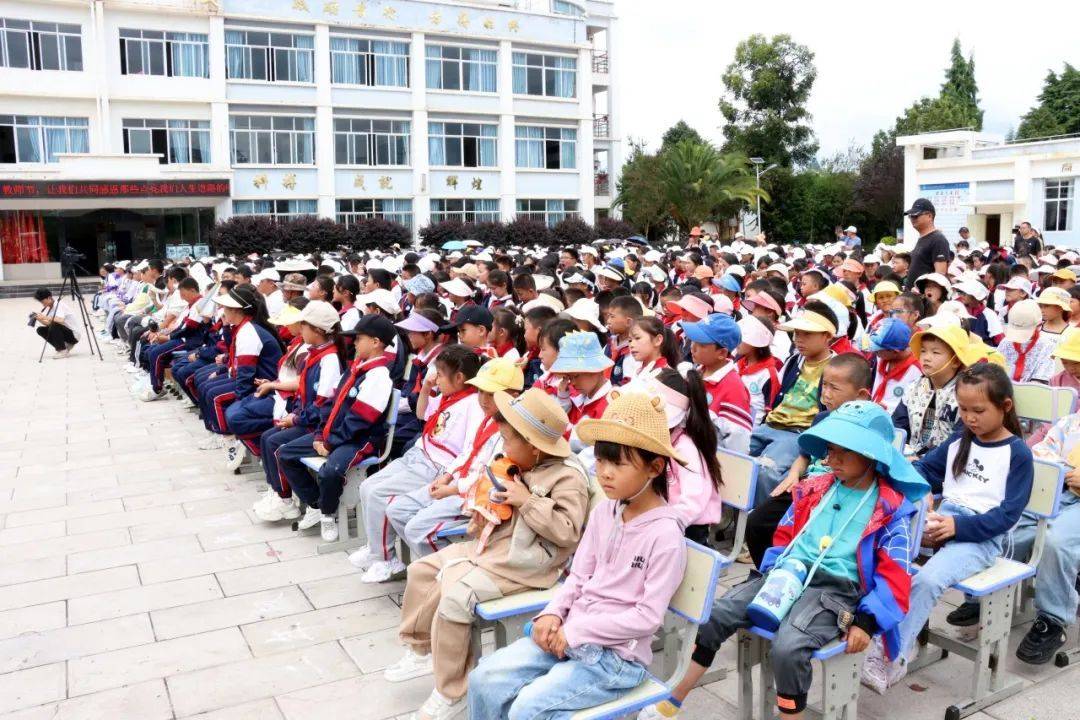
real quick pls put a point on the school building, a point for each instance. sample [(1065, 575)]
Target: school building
[(978, 180), (128, 128)]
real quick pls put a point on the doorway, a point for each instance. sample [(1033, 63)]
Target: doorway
[(993, 227)]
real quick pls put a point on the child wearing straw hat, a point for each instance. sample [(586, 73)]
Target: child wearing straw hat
[(548, 498), (593, 640)]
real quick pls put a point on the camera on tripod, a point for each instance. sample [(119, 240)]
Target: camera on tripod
[(69, 258)]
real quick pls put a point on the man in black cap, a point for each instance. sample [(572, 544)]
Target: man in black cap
[(931, 252)]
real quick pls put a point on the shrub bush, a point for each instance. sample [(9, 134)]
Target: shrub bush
[(244, 234), (572, 231), (488, 233), (311, 234), (435, 234), (378, 234), (528, 232), (608, 228)]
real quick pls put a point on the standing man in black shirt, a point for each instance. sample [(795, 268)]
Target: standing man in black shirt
[(931, 252)]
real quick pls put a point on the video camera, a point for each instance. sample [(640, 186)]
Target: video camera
[(69, 258)]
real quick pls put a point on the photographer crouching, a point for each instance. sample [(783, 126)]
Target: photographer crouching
[(59, 323)]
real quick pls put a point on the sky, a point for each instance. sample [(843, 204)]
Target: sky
[(873, 59)]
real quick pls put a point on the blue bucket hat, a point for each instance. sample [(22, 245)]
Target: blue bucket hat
[(846, 427), (580, 352), (715, 329), (728, 282), (891, 334), (419, 285)]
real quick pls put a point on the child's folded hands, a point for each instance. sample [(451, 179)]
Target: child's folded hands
[(547, 634)]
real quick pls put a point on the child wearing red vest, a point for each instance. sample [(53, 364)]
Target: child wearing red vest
[(895, 366)]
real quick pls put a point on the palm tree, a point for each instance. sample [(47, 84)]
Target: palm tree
[(696, 180)]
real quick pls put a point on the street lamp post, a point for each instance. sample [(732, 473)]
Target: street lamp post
[(758, 162)]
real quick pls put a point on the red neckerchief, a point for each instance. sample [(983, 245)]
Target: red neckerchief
[(501, 350), (232, 343), (423, 362), (615, 350), (343, 388), (769, 364), (344, 309), (296, 342), (445, 402), (487, 429), (314, 356), (1021, 355), (887, 375), (188, 319)]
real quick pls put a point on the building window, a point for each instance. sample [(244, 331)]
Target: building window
[(350, 210), (465, 210), (176, 141), (458, 68), (35, 139), (173, 54), (549, 75), (363, 141), (551, 212), (270, 56), (275, 209), (272, 140), (457, 144), (562, 7), (552, 148), (37, 45), (1059, 194), (377, 63)]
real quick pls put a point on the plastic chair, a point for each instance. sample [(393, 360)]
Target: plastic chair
[(994, 589), (739, 474), (350, 495)]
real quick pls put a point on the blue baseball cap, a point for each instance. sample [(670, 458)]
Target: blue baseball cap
[(847, 427), (716, 329), (891, 334), (729, 282), (616, 262)]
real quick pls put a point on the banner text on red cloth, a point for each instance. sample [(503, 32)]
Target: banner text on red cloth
[(26, 189)]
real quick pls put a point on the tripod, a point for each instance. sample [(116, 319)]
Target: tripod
[(71, 282)]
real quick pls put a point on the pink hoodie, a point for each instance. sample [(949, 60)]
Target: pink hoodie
[(621, 581), (691, 492)]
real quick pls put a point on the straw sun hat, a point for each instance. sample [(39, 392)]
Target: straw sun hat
[(633, 419), (538, 418)]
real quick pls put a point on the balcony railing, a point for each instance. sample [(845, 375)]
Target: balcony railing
[(600, 62), (600, 126), (601, 184)]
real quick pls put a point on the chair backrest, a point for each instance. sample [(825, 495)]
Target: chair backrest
[(739, 474), (391, 424), (918, 524), (1046, 489), (693, 599), (1042, 403), (899, 439)]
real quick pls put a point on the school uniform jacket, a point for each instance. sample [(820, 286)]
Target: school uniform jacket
[(415, 379), (361, 401), (254, 353), (191, 327), (450, 423), (882, 555), (729, 406), (319, 378)]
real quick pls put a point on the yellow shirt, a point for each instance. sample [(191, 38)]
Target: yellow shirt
[(800, 404)]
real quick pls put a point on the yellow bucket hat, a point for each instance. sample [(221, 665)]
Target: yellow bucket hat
[(885, 286), (1069, 347), (1055, 296), (288, 315), (956, 338), (633, 419), (840, 294), (498, 374)]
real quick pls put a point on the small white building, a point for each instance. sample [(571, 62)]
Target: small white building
[(980, 181)]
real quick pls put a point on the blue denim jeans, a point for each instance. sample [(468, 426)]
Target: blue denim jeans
[(948, 566), (1055, 580), (777, 451), (523, 682)]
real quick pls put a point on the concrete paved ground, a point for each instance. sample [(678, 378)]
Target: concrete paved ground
[(135, 582)]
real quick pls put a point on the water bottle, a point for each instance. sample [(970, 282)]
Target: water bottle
[(783, 586)]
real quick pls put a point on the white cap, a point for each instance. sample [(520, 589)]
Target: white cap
[(589, 250), (657, 274), (1018, 283), (973, 288), (267, 274), (653, 256), (544, 300), (778, 268), (850, 228), (588, 311), (1024, 318), (543, 282), (737, 270), (457, 287), (381, 298), (872, 258)]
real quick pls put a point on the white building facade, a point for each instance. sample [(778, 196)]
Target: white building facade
[(128, 128), (980, 181)]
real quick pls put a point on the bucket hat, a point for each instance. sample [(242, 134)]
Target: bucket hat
[(588, 311), (380, 298), (1069, 347), (937, 279), (498, 374), (974, 288), (580, 352), (847, 427), (1055, 296), (633, 419), (419, 285), (538, 418), (885, 286), (953, 335)]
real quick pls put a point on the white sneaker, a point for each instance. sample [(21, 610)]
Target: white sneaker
[(362, 558), (185, 401), (278, 508), (411, 665), (148, 395), (212, 442), (382, 571), (436, 707), (652, 712), (61, 354), (311, 518), (132, 368), (235, 454), (328, 528), (265, 500)]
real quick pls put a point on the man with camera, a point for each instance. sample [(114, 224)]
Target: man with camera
[(59, 323)]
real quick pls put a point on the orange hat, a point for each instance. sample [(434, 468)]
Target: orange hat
[(695, 231), (853, 265), (703, 272)]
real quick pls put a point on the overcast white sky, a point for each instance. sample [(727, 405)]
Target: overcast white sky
[(873, 58)]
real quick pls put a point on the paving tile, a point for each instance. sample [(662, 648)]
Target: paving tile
[(248, 680), (379, 698), (232, 537), (49, 646), (29, 533), (257, 710), (199, 617), (35, 618), (174, 497), (189, 526), (68, 586), (145, 701), (236, 582), (27, 688), (142, 599), (131, 554), (124, 519), (311, 628), (32, 570), (155, 660), (347, 588), (374, 651), (204, 563), (76, 510), (119, 489), (66, 545)]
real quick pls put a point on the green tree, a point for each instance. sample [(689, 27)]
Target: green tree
[(678, 132), (879, 186), (1058, 111), (696, 179), (960, 84), (764, 103), (934, 114), (640, 195)]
